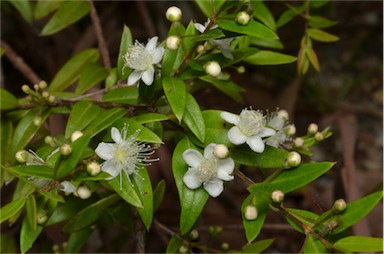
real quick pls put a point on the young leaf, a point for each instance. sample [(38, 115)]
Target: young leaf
[(253, 28), (91, 75), (104, 120), (24, 8), (67, 14), (7, 100), (43, 8), (72, 68), (320, 22), (209, 8), (192, 201), (82, 114), (360, 244), (193, 118), (28, 235), (158, 194), (31, 211), (124, 95), (320, 35), (174, 89), (125, 189), (262, 13), (11, 209), (266, 57), (126, 41), (143, 186), (77, 240), (38, 171), (313, 58), (258, 246)]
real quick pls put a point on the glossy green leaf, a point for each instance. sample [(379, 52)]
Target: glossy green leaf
[(267, 43), (77, 240), (7, 100), (215, 33), (52, 195), (271, 157), (105, 120), (125, 42), (150, 117), (253, 28), (258, 246), (193, 118), (124, 187), (39, 171), (11, 209), (266, 57), (28, 235), (31, 211), (313, 245), (67, 14), (72, 68), (43, 8), (158, 194), (360, 244), (68, 164), (174, 244), (215, 128), (209, 8), (262, 13), (288, 15), (307, 217), (320, 22), (24, 8), (91, 75), (82, 114), (90, 214), (174, 89), (124, 95), (143, 186), (145, 134), (226, 86), (313, 58), (6, 139), (320, 35), (192, 201)]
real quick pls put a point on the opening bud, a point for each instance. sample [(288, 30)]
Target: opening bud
[(312, 128), (212, 68), (319, 136), (83, 192), (221, 151), (340, 205), (250, 212), (173, 14), (37, 121), (22, 156), (93, 168), (65, 149), (290, 130), (243, 18), (173, 42), (76, 135), (293, 159), (298, 142), (277, 196), (25, 89)]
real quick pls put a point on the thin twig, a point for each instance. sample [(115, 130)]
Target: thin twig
[(19, 64), (243, 177)]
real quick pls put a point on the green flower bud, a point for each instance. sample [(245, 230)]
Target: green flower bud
[(298, 142), (45, 94), (37, 121), (312, 128), (277, 196), (183, 249), (173, 42), (250, 212), (83, 192), (51, 99), (243, 18), (26, 89), (293, 159), (290, 130), (319, 136), (194, 235), (42, 85), (283, 114), (225, 246), (240, 69), (41, 217), (22, 156), (93, 168), (340, 205), (65, 149), (173, 14)]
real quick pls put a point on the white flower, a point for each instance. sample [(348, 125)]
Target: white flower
[(207, 170), (279, 122), (141, 59), (125, 155), (250, 127)]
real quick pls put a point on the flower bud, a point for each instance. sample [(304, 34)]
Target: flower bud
[(221, 151), (293, 159), (45, 94), (173, 14), (225, 246), (290, 130), (36, 87), (319, 136), (211, 230), (83, 192), (277, 196), (173, 42), (41, 217), (250, 212), (218, 230), (25, 89), (243, 18), (21, 156), (283, 114), (76, 135), (312, 128), (240, 69), (298, 142), (51, 99), (65, 149), (340, 205), (194, 234), (42, 85), (200, 49), (49, 141), (93, 168), (212, 68), (183, 249), (37, 121)]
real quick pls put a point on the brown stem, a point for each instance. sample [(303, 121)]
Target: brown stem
[(243, 177), (19, 64)]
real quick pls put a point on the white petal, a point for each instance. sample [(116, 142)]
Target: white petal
[(151, 45), (134, 77), (208, 151), (192, 157), (266, 132), (112, 168), (222, 175), (191, 179), (256, 144), (157, 55), (116, 136), (105, 151), (236, 136), (214, 187), (227, 165), (67, 187), (230, 118), (199, 27), (147, 76)]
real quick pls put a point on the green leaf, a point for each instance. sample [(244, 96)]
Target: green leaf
[(313, 58), (215, 128), (313, 4), (24, 8), (91, 75), (28, 235), (267, 43), (43, 8), (320, 22), (104, 120), (31, 211), (77, 240), (90, 214), (6, 140), (215, 33), (72, 68), (145, 134), (174, 244), (260, 200), (38, 171), (158, 194), (11, 209), (360, 244), (227, 87), (192, 201), (172, 59), (69, 163), (149, 118), (209, 8), (143, 186), (67, 14), (52, 195), (125, 42), (7, 100), (289, 14), (124, 187), (262, 13), (124, 95), (111, 79), (174, 89), (313, 245), (307, 217), (193, 118), (258, 246), (320, 35), (253, 28), (82, 114), (271, 157), (266, 57)]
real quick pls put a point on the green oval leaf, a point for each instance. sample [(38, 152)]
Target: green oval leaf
[(77, 240), (149, 118), (104, 120), (215, 131), (266, 57), (306, 217), (174, 244), (67, 14), (24, 8), (320, 35), (28, 235), (31, 211), (320, 22), (82, 114), (193, 118), (227, 87), (263, 14), (38, 171), (125, 42), (158, 194), (143, 186), (257, 247), (11, 209), (174, 89), (43, 8), (6, 140), (360, 244), (253, 28), (123, 186), (209, 8), (91, 75), (7, 100), (124, 95), (145, 134)]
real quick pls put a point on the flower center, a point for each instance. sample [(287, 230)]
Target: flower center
[(207, 169), (138, 57), (250, 122)]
